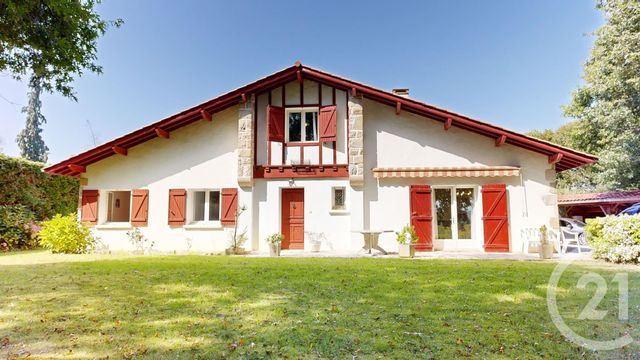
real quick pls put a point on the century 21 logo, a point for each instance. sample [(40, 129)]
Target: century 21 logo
[(590, 311)]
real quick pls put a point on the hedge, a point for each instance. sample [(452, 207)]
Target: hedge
[(27, 196), (615, 238)]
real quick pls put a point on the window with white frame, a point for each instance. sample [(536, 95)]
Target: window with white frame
[(338, 195), (206, 206), (118, 206), (302, 125)]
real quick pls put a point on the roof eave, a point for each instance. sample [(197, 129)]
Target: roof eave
[(570, 159)]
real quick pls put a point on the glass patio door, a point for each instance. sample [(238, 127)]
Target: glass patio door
[(454, 216)]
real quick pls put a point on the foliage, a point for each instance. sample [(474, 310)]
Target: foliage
[(28, 195), (23, 182), (221, 307), (65, 234), (30, 142), (407, 234), (238, 239), (544, 235), (141, 242), (562, 136), (615, 238), (51, 40), (607, 106), (16, 228), (275, 238)]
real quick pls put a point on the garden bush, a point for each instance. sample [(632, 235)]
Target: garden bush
[(29, 195), (17, 228), (615, 238), (65, 234)]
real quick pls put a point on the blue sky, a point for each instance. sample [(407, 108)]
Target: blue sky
[(511, 63)]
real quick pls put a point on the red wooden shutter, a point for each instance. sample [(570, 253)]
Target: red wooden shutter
[(139, 207), (177, 206), (229, 206), (421, 217), (495, 217), (328, 123), (275, 123), (89, 207)]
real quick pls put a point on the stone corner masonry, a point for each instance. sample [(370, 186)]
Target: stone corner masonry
[(356, 141), (245, 143)]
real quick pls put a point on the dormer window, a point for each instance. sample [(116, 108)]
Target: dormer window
[(302, 125)]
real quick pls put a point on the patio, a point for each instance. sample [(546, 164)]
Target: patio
[(571, 254)]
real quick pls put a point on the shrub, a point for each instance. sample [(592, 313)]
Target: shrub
[(64, 234), (275, 238), (137, 239), (615, 238), (17, 228), (28, 195), (407, 235)]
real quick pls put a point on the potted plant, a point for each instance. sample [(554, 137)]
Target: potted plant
[(275, 241), (407, 239), (315, 245), (546, 247), (315, 240)]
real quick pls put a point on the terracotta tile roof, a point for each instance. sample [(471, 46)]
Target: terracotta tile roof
[(604, 197)]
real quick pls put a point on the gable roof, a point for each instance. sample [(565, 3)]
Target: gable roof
[(564, 158)]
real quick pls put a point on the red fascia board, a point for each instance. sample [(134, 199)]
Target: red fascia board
[(571, 159), (175, 121), (430, 111)]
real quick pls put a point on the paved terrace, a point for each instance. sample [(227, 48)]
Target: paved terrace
[(572, 254)]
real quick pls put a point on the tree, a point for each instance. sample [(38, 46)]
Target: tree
[(607, 107), (50, 41), (574, 180), (30, 140)]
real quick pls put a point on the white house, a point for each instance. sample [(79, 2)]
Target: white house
[(313, 155)]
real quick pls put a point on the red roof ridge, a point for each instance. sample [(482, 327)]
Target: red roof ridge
[(572, 159), (419, 102)]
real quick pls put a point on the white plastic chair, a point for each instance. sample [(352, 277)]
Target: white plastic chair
[(568, 238), (529, 236)]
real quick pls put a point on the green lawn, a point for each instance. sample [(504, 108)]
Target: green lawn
[(232, 307)]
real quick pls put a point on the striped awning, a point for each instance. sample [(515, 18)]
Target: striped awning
[(424, 172)]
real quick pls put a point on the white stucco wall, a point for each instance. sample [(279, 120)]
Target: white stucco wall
[(203, 155), (319, 218), (199, 156), (408, 140)]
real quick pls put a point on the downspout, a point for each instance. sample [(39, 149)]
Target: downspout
[(525, 204)]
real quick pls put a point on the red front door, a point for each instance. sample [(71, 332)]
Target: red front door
[(293, 218), (421, 218)]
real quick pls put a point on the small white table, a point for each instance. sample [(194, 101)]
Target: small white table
[(371, 239)]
